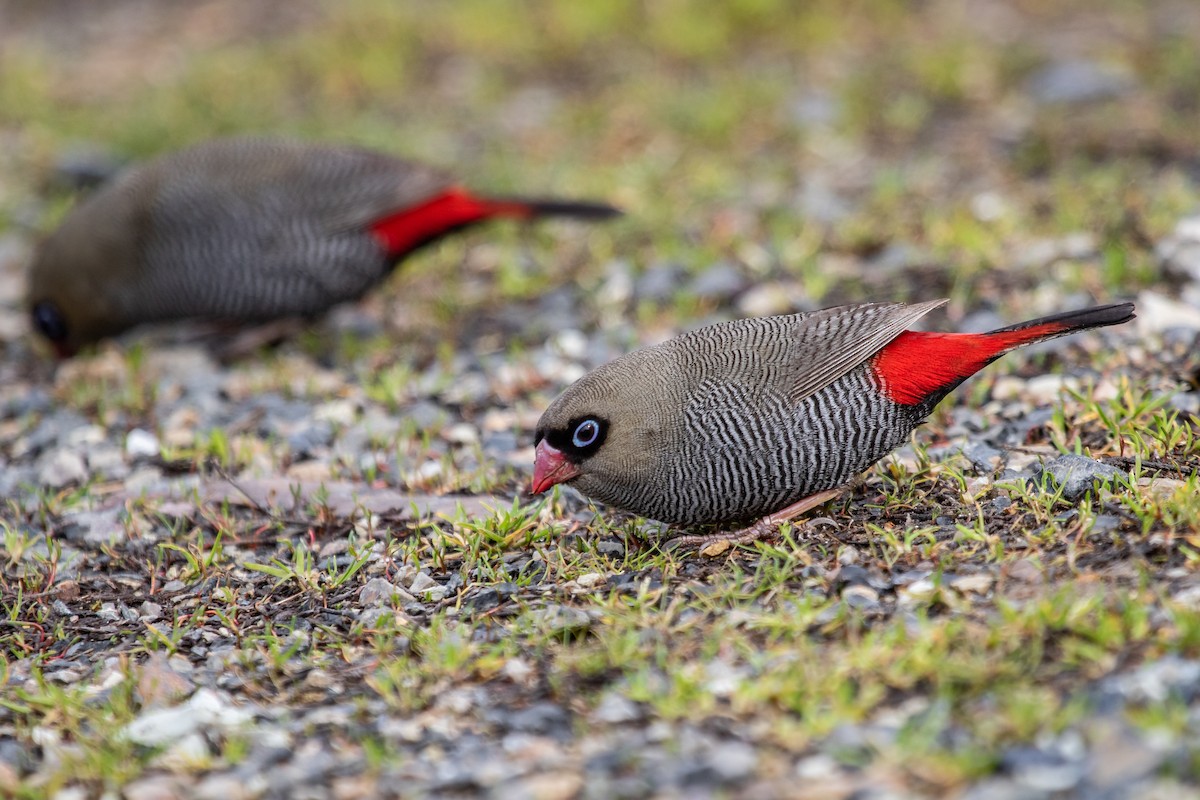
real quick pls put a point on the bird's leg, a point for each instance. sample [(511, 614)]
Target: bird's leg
[(244, 340), (717, 543)]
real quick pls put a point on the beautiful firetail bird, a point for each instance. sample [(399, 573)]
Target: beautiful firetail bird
[(765, 418), (248, 229)]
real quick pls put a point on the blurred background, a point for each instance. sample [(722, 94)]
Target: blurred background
[(772, 156)]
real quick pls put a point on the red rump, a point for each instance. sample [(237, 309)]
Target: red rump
[(453, 208), (916, 365)]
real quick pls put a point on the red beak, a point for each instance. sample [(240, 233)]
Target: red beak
[(550, 467)]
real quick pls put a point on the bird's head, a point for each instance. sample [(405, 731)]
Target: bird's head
[(608, 430), (79, 274), (69, 304)]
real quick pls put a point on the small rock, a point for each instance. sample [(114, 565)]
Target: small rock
[(820, 767), (615, 709), (1047, 389), (1157, 313), (1024, 570), (1158, 681), (590, 580), (978, 583), (461, 434), (226, 786), (733, 761), (720, 282), (983, 457), (141, 443), (558, 619), (205, 709), (310, 438), (721, 678), (1076, 475), (485, 599), (766, 299), (853, 575), (188, 754), (156, 787), (542, 786), (1078, 81), (918, 592), (70, 793), (62, 467), (422, 582), (1043, 771), (373, 616), (518, 670), (659, 282), (379, 591), (541, 718), (1119, 759), (861, 597), (613, 548)]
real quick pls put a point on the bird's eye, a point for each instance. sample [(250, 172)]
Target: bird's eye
[(586, 433), (49, 321)]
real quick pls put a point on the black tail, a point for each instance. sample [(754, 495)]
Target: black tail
[(560, 208), (1095, 317)]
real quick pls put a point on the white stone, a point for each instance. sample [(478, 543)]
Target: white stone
[(205, 709), (141, 443)]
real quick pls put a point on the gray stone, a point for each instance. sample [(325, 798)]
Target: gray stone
[(1180, 252), (61, 467), (311, 437), (860, 597), (1043, 771), (733, 761), (1077, 81), (539, 718), (205, 709), (998, 789), (558, 619), (379, 591), (1076, 475), (1158, 681), (422, 582), (615, 709), (1119, 759), (659, 282), (983, 456), (1186, 403), (720, 282)]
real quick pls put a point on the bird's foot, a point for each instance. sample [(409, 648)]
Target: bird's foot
[(717, 543), (241, 341)]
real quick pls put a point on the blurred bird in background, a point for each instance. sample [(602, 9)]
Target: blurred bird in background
[(248, 229)]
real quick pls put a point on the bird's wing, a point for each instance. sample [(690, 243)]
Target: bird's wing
[(330, 189), (829, 343), (345, 189), (795, 355)]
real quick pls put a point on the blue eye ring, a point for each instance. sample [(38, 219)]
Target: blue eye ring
[(586, 433)]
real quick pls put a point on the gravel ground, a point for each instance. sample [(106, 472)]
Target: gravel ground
[(310, 570)]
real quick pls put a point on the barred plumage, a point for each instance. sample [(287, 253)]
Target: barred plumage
[(247, 229), (741, 419)]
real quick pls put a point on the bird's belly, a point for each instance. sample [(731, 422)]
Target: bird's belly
[(747, 455)]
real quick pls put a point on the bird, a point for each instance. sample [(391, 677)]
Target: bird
[(248, 229), (764, 418)]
